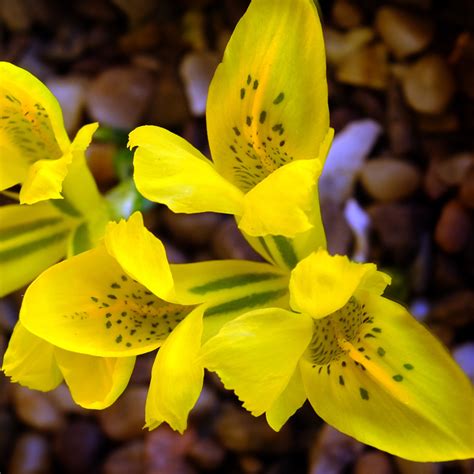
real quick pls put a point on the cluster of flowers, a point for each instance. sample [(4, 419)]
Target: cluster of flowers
[(303, 325)]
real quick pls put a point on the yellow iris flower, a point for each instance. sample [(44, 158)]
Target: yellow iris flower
[(268, 129)]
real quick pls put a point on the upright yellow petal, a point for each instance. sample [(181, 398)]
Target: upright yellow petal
[(94, 382), (177, 376), (267, 102), (89, 304), (322, 283), (393, 386), (30, 361), (140, 254), (170, 171), (257, 354)]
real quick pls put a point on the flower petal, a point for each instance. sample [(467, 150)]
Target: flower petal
[(30, 361), (89, 304), (94, 382), (267, 102), (396, 388), (147, 262), (177, 376), (322, 283), (32, 238), (170, 171), (292, 398), (256, 355)]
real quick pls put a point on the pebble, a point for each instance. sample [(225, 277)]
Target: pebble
[(196, 71), (71, 94), (36, 409), (428, 85), (332, 452), (144, 37), (206, 454), (464, 356), (31, 455), (433, 185), (228, 242), (137, 10), (453, 228), (338, 230), (453, 170), (373, 462), (124, 420), (61, 397), (456, 309), (100, 158), (192, 229), (404, 33), (240, 432), (78, 446), (389, 179), (446, 274), (346, 14), (410, 467), (340, 46), (120, 96), (466, 191), (15, 15), (365, 67), (127, 459)]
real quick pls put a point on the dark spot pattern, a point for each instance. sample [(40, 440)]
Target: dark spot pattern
[(132, 316), (258, 144)]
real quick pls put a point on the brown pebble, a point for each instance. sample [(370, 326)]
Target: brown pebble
[(373, 462), (36, 409), (410, 467), (429, 85), (127, 459), (453, 228), (403, 33), (61, 397), (346, 14), (433, 185), (100, 158), (454, 169), (119, 97), (455, 309), (125, 418), (389, 179), (206, 453), (466, 191), (31, 455)]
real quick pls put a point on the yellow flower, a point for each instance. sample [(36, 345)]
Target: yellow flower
[(93, 313), (367, 367), (268, 128)]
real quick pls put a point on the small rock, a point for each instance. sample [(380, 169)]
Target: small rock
[(428, 85), (373, 462), (444, 123), (78, 446), (464, 356), (137, 10), (433, 185), (250, 465), (366, 67), (36, 409), (403, 33), (411, 467), (338, 231), (100, 158), (196, 71), (144, 37), (31, 455), (346, 14), (228, 242), (119, 97), (332, 452), (61, 397), (456, 309), (388, 179), (165, 451), (446, 274), (71, 94), (466, 192), (192, 229), (206, 453), (453, 228), (125, 418), (127, 459), (340, 46), (15, 15), (240, 432), (453, 170)]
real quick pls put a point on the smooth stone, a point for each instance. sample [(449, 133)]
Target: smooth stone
[(389, 179), (120, 96), (340, 46), (196, 71), (464, 356), (454, 169), (31, 455), (373, 462), (125, 419), (454, 227), (410, 467), (36, 409), (127, 459), (346, 14), (429, 85), (404, 34), (206, 454), (455, 309), (61, 397)]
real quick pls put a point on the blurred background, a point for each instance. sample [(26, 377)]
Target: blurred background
[(398, 190)]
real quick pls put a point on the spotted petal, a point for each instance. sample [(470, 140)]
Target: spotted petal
[(256, 356), (170, 171), (30, 361), (106, 377), (267, 102), (177, 375), (90, 304), (390, 384)]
